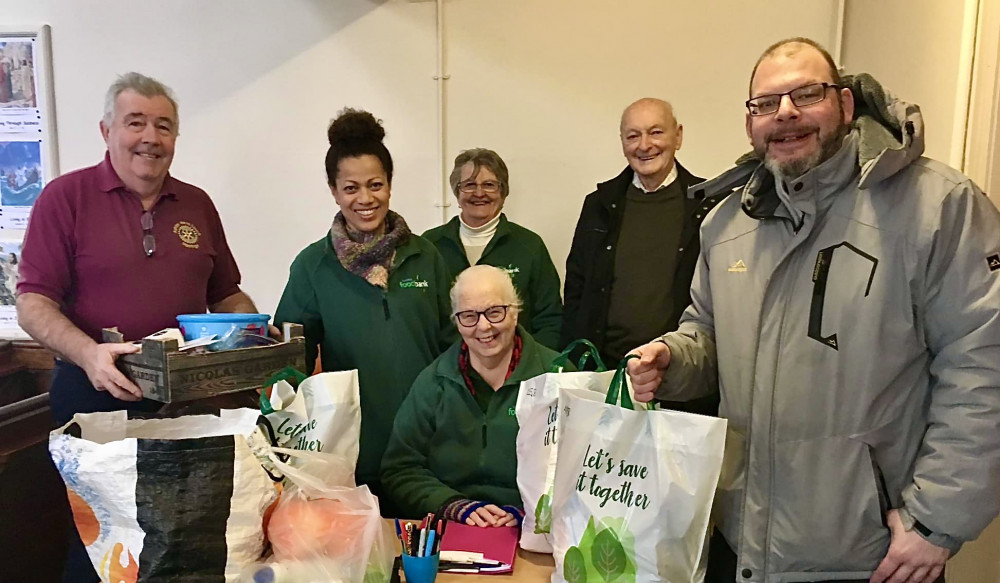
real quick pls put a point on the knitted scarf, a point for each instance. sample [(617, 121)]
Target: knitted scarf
[(369, 256)]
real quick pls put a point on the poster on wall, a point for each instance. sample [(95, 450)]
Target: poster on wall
[(27, 140), (20, 173), (28, 152), (10, 255)]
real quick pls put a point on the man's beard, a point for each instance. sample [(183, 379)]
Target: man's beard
[(792, 169)]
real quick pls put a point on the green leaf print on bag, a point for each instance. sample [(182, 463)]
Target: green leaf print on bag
[(543, 515), (606, 554), (574, 566)]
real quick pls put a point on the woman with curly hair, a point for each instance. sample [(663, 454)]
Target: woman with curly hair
[(371, 295)]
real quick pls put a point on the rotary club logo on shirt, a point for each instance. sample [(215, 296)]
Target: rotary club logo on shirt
[(188, 234)]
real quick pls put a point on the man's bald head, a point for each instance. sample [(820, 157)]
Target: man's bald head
[(664, 108)]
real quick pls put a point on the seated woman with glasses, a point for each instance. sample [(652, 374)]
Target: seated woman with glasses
[(370, 294), (482, 235), (452, 445)]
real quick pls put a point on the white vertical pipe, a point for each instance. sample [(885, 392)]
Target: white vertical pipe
[(838, 39), (439, 77), (963, 86)]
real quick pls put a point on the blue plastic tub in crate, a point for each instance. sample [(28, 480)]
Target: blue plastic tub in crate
[(194, 326)]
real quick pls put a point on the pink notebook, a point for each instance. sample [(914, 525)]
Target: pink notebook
[(496, 544)]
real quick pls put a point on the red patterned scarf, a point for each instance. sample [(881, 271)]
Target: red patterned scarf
[(464, 366)]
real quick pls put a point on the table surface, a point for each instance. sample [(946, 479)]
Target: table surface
[(528, 566)]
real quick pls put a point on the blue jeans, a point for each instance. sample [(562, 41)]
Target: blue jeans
[(71, 393)]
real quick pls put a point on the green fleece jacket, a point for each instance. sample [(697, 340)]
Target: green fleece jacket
[(444, 447), (523, 255), (389, 336)]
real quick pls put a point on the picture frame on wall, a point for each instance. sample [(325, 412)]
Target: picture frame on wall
[(28, 147)]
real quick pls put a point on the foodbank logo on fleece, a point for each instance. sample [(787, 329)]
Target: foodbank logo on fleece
[(414, 282)]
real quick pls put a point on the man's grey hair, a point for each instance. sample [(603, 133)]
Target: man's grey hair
[(499, 276), (480, 158), (143, 85)]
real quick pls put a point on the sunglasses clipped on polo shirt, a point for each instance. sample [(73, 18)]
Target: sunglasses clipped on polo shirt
[(148, 240)]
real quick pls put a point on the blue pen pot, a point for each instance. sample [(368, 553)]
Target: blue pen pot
[(420, 569)]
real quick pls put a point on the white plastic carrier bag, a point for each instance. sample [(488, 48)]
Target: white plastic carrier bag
[(537, 413), (633, 489), (324, 528), (322, 414)]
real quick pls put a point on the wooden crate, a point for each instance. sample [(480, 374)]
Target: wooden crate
[(167, 375)]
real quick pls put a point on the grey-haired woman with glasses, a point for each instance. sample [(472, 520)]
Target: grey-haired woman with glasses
[(452, 444), (482, 235)]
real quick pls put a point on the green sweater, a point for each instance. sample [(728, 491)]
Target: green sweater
[(389, 336), (523, 255), (444, 447)]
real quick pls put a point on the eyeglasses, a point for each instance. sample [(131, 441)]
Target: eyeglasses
[(801, 97), (488, 186), (148, 240), (494, 315)]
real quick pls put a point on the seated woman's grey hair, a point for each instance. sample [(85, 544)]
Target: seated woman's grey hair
[(502, 278)]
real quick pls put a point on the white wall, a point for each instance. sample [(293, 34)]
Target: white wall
[(544, 82), (541, 81), (258, 83), (913, 48)]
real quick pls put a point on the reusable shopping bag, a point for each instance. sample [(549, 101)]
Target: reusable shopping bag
[(537, 413), (633, 489), (167, 499), (322, 414)]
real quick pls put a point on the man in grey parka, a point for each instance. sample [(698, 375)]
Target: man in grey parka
[(847, 304)]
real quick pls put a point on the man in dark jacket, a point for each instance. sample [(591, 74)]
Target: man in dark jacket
[(612, 297)]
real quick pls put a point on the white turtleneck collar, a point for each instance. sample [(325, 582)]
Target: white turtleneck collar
[(478, 235), (475, 239)]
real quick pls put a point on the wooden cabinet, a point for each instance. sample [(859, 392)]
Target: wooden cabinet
[(33, 506)]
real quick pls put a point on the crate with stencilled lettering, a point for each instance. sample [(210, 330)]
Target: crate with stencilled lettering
[(166, 374)]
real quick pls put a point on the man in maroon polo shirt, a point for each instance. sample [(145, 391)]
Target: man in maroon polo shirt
[(123, 244), (120, 244)]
